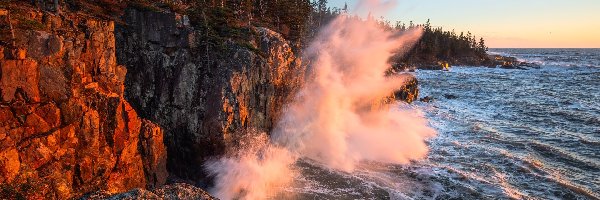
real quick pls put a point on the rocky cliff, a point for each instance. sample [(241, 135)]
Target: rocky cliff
[(73, 85), (199, 93), (65, 126)]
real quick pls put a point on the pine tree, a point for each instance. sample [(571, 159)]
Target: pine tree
[(481, 46)]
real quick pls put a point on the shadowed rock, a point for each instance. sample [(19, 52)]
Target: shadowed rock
[(201, 93)]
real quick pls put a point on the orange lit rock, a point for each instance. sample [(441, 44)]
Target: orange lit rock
[(154, 154), (9, 164), (37, 123), (21, 53), (35, 154), (409, 92), (65, 128), (50, 114), (19, 77), (7, 119)]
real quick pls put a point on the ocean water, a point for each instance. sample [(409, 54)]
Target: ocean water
[(502, 134)]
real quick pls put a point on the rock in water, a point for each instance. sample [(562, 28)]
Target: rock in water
[(506, 62), (450, 96), (426, 99), (410, 91), (407, 93)]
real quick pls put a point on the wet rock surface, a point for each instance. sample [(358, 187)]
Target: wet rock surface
[(410, 91), (427, 99), (491, 61), (65, 127), (177, 191), (506, 62), (450, 96)]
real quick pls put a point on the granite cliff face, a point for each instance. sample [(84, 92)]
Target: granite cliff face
[(76, 92), (203, 96), (65, 126)]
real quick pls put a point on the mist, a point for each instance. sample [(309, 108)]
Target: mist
[(334, 119)]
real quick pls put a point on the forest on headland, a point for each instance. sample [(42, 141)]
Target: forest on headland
[(298, 21), (153, 90)]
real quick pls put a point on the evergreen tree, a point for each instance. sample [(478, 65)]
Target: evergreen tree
[(481, 46)]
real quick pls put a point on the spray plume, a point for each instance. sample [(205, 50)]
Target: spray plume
[(332, 120)]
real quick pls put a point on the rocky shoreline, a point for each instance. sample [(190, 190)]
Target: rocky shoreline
[(491, 61), (95, 107)]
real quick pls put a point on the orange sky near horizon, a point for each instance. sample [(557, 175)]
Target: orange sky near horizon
[(507, 23)]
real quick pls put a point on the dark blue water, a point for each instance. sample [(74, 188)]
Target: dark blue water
[(523, 133), (520, 134)]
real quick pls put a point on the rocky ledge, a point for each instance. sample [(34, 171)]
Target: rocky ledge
[(506, 62), (177, 191), (492, 61)]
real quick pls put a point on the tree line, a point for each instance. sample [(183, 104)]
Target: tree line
[(300, 20), (297, 20), (437, 45)]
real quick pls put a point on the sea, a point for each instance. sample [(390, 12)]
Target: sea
[(501, 134)]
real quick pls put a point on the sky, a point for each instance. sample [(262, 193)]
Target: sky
[(506, 23)]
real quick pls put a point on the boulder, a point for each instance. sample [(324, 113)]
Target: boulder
[(450, 96), (507, 62), (426, 99), (409, 92), (439, 65)]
